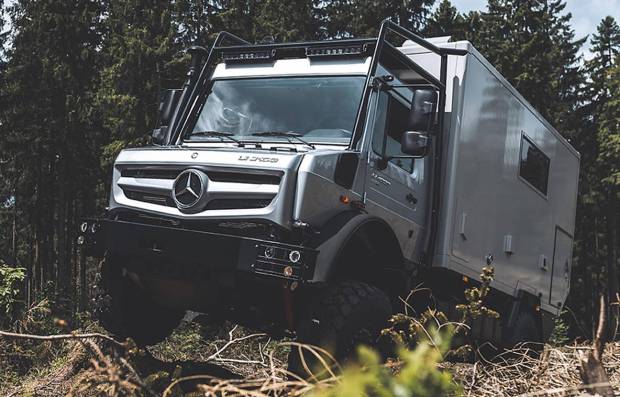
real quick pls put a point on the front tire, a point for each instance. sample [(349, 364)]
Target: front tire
[(125, 310), (338, 319)]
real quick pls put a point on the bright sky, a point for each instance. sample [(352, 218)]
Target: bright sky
[(586, 13)]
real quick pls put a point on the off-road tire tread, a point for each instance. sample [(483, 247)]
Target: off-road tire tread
[(124, 312), (339, 309)]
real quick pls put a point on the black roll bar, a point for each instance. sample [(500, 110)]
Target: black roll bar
[(190, 88)]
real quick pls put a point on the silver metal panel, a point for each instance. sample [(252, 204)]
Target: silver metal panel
[(484, 198), (295, 67)]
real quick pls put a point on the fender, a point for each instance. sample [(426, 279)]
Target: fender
[(376, 236)]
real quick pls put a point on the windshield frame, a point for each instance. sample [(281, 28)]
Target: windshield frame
[(197, 107)]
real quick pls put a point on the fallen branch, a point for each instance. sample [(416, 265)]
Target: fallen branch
[(231, 340), (94, 335)]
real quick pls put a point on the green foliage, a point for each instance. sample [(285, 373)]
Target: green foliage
[(409, 331), (418, 375), (10, 283), (361, 18), (446, 21), (474, 306), (559, 336), (532, 44)]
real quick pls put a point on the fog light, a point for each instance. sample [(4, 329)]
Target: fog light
[(288, 271), (94, 228), (80, 240), (294, 256), (269, 252), (84, 227)]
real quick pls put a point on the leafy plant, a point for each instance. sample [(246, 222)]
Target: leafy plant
[(406, 330), (559, 336), (10, 277), (418, 375)]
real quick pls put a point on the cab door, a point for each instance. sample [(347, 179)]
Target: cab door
[(396, 189)]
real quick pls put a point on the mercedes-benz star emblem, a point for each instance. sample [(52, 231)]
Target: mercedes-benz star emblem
[(188, 191)]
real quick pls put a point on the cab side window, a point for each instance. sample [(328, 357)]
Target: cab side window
[(391, 120)]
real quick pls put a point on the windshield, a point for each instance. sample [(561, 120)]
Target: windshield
[(317, 109)]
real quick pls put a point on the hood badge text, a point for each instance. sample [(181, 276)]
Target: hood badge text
[(259, 159)]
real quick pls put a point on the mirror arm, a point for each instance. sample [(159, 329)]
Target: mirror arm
[(382, 163)]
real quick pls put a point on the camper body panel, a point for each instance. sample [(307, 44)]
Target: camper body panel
[(492, 202)]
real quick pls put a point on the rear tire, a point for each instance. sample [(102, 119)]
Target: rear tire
[(338, 319), (125, 310), (526, 332)]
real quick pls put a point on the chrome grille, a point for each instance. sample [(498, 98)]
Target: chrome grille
[(227, 189)]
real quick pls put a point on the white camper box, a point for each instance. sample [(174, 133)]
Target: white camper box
[(489, 127)]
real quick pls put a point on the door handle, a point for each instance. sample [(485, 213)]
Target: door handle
[(412, 199)]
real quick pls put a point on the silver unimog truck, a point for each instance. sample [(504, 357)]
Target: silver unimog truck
[(304, 187)]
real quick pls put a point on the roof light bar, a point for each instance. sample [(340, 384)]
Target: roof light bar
[(249, 56), (335, 51)]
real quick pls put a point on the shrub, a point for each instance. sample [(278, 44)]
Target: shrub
[(418, 374), (10, 278)]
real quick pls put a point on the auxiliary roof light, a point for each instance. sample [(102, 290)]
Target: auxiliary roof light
[(335, 51), (248, 56)]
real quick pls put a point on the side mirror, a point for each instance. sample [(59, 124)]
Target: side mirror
[(414, 143), (167, 107), (422, 110)]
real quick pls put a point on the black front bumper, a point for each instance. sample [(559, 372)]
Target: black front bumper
[(170, 252)]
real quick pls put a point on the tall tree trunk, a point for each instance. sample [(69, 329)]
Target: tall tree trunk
[(612, 264)]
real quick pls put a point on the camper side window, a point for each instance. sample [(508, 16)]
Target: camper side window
[(390, 124), (534, 165)]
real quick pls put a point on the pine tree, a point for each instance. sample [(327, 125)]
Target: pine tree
[(46, 138), (289, 20), (602, 154), (446, 21), (361, 18), (139, 47), (605, 48), (473, 25), (532, 44), (608, 161)]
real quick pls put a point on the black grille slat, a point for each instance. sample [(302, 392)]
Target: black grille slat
[(149, 198), (216, 176), (233, 204), (241, 177), (150, 173)]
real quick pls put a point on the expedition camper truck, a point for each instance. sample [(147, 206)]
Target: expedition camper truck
[(305, 187)]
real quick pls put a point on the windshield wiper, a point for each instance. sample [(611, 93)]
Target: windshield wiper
[(218, 134), (285, 134)]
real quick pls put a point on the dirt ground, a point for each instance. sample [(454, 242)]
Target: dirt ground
[(232, 355)]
